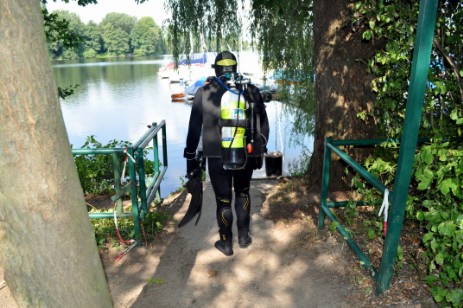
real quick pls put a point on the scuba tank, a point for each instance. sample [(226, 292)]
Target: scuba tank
[(233, 131)]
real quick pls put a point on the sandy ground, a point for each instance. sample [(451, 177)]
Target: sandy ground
[(6, 300), (286, 265), (187, 271)]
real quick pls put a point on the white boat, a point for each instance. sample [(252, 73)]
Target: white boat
[(189, 69)]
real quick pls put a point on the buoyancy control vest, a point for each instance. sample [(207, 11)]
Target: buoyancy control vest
[(221, 124)]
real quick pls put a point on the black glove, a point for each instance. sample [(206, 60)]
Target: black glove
[(192, 165)]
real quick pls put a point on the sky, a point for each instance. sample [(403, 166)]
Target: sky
[(96, 12)]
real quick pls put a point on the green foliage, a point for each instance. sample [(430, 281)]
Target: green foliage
[(69, 38), (203, 25), (106, 233), (65, 92), (96, 171), (146, 37), (89, 54), (297, 168), (289, 24), (62, 31), (156, 281), (93, 41), (96, 174), (435, 199), (439, 172), (79, 2), (396, 21), (115, 30), (333, 226)]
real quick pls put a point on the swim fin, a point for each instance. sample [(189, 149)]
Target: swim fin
[(195, 188)]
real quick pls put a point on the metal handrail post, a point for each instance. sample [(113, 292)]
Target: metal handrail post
[(117, 183), (164, 157), (156, 160), (155, 153), (164, 145), (141, 183), (325, 183), (413, 113), (134, 194)]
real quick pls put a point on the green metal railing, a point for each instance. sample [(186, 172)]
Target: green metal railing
[(409, 140), (141, 195), (332, 146)]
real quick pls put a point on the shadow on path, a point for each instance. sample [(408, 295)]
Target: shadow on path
[(275, 271)]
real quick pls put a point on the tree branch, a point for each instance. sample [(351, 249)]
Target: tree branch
[(453, 65)]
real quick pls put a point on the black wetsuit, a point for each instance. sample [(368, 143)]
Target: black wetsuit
[(205, 122)]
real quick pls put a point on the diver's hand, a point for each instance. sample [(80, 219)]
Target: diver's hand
[(192, 165)]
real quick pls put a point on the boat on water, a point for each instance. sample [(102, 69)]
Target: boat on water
[(191, 89), (164, 72), (188, 68)]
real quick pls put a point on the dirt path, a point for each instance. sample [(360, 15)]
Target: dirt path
[(289, 263), (277, 270)]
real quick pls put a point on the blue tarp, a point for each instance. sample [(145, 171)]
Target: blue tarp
[(194, 59), (191, 89)]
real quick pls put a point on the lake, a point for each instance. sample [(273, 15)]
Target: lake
[(117, 99)]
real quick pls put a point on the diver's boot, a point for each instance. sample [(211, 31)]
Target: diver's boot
[(244, 240), (243, 208), (225, 245)]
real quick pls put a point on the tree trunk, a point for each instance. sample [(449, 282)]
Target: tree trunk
[(48, 247), (342, 87)]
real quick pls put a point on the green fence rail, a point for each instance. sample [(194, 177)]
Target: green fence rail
[(332, 146), (409, 140), (142, 196)]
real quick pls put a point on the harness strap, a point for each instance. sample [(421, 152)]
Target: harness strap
[(232, 123)]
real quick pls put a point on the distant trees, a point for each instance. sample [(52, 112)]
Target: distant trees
[(116, 35), (115, 30), (93, 42), (64, 34), (146, 37)]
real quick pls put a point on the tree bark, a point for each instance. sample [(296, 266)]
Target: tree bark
[(48, 247), (342, 87)]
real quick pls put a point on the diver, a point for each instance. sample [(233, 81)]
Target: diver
[(228, 112)]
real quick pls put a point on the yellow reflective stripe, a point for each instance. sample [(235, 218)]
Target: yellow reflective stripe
[(224, 221), (226, 62)]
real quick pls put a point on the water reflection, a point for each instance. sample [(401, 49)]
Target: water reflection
[(118, 99)]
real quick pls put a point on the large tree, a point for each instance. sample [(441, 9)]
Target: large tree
[(48, 249), (342, 84)]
